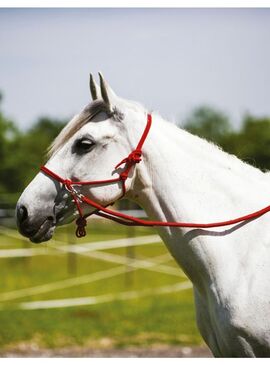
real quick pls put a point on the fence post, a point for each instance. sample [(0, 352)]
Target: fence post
[(71, 256), (130, 254)]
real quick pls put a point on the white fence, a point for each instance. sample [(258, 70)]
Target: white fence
[(94, 250)]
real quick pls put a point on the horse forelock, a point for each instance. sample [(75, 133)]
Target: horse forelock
[(76, 123)]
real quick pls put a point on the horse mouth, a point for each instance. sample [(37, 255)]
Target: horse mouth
[(47, 228), (45, 231)]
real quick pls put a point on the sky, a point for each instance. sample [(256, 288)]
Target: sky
[(170, 60)]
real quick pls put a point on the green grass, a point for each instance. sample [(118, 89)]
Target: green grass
[(166, 318)]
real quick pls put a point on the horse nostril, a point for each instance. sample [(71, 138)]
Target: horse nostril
[(22, 213)]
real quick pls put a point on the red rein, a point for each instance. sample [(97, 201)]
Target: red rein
[(133, 158)]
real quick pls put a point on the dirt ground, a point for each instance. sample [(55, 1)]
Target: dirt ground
[(154, 351)]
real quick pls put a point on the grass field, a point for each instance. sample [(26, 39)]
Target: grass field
[(122, 286)]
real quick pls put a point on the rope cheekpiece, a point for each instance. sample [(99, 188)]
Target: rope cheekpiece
[(133, 158)]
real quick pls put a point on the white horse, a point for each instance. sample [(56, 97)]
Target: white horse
[(181, 178)]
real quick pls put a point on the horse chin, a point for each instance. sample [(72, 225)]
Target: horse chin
[(44, 233)]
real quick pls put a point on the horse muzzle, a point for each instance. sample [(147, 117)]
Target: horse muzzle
[(36, 229)]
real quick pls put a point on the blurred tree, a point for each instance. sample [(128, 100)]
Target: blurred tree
[(208, 123), (32, 146), (252, 142), (21, 154), (8, 135)]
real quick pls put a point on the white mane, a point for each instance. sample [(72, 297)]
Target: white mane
[(206, 150)]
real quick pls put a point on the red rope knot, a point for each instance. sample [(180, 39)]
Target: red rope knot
[(81, 224), (133, 158), (124, 175), (68, 184)]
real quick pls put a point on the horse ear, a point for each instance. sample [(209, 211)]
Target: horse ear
[(108, 95), (94, 88)]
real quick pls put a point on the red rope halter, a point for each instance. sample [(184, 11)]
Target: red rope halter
[(133, 158)]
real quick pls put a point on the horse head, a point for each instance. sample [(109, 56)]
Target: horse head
[(87, 149)]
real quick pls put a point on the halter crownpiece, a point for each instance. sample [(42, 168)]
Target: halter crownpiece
[(131, 160)]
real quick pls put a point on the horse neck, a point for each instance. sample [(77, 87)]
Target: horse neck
[(185, 178)]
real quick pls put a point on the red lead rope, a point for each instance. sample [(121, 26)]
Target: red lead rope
[(133, 158)]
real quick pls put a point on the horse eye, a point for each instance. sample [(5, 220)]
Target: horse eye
[(83, 145)]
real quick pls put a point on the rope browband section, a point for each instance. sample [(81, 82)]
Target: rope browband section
[(103, 211)]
